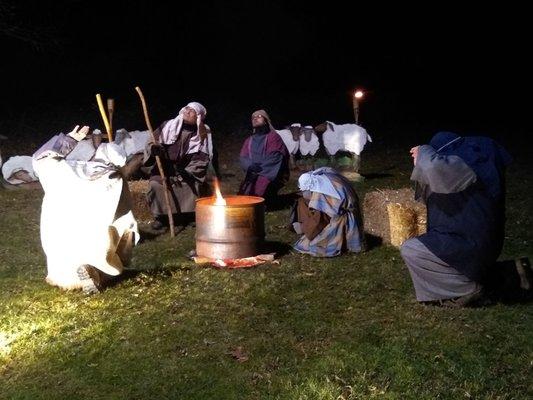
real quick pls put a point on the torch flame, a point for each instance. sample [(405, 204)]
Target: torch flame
[(219, 200), (359, 94)]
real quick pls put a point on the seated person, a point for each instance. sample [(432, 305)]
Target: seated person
[(328, 215), (182, 145), (265, 160), (87, 227), (461, 180)]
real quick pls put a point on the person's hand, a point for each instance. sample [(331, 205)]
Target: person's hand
[(255, 168), (156, 150), (79, 134), (414, 153)]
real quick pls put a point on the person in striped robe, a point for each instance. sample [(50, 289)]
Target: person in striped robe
[(340, 226)]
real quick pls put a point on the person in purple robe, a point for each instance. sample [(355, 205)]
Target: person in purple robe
[(265, 160)]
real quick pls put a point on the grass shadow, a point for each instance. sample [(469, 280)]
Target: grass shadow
[(376, 175), (509, 282), (146, 234), (372, 241), (280, 248), (140, 277)]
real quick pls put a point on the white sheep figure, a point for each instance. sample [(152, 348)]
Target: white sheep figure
[(346, 137), (309, 143), (291, 139)]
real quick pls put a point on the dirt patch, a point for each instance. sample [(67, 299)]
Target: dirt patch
[(376, 215)]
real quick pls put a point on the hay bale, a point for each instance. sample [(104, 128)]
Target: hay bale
[(402, 220), (421, 221), (376, 214), (140, 207)]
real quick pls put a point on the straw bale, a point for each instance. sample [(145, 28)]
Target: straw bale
[(376, 214), (141, 209), (402, 220)]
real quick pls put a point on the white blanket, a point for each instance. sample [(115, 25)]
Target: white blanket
[(79, 224)]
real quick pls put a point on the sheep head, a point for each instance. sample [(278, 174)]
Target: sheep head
[(296, 130), (320, 129), (307, 132)]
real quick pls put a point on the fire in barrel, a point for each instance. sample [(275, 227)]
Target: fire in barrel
[(231, 227)]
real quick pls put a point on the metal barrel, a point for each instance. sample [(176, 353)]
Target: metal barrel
[(234, 230)]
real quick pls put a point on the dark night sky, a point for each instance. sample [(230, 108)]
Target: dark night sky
[(438, 68)]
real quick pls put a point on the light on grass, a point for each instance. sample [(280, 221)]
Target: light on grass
[(5, 342)]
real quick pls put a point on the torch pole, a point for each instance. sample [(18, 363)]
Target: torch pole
[(356, 109)]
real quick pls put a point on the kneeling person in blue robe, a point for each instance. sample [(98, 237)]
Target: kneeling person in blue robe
[(461, 180)]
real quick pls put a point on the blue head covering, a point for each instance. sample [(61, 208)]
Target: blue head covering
[(486, 157)]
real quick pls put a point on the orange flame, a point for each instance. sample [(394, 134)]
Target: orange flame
[(219, 200)]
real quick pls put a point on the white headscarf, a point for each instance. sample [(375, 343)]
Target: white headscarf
[(172, 129), (318, 181)]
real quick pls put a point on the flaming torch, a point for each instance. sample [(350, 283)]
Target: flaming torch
[(357, 97)]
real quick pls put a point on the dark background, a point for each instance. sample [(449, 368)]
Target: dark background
[(424, 69)]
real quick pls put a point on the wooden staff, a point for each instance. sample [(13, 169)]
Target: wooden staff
[(104, 117), (111, 110), (158, 161)]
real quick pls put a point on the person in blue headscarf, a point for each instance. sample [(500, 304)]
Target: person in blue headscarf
[(462, 182), (327, 216)]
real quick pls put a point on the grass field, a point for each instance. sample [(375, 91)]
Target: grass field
[(306, 328)]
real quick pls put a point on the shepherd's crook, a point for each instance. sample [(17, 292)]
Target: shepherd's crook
[(158, 161)]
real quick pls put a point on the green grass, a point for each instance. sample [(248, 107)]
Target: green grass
[(347, 327)]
